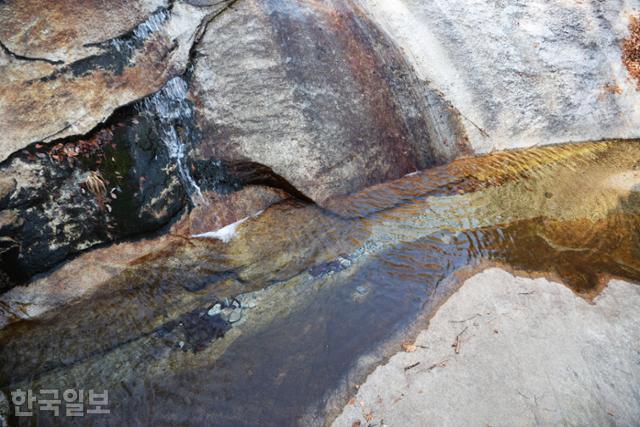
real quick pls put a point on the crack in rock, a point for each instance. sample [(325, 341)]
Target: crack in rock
[(27, 58)]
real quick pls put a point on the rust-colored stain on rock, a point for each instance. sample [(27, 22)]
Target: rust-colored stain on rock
[(631, 49)]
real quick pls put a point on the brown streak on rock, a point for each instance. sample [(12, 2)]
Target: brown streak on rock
[(631, 49)]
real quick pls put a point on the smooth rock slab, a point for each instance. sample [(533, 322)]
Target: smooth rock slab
[(506, 351), (522, 72)]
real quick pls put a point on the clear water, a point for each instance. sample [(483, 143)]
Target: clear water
[(327, 295), (173, 114)]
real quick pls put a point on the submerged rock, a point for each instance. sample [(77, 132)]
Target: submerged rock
[(315, 94), (86, 274), (400, 261)]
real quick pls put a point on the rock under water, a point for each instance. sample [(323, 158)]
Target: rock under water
[(333, 292)]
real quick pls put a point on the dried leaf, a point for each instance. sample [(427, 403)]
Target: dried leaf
[(408, 347)]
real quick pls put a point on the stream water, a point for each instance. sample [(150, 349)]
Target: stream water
[(324, 295)]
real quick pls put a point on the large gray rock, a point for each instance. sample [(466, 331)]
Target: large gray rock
[(507, 351), (521, 72), (315, 92)]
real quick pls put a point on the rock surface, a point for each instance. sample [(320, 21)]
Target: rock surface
[(63, 198), (315, 92), (522, 73), (84, 275), (513, 351), (63, 73)]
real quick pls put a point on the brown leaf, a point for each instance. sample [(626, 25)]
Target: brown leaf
[(408, 347)]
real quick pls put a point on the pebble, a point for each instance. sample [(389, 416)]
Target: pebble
[(216, 309), (232, 314), (4, 409)]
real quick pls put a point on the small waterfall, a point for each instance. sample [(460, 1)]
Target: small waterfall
[(173, 116)]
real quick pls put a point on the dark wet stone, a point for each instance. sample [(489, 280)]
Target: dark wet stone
[(194, 331), (115, 182), (329, 267), (7, 187), (9, 250)]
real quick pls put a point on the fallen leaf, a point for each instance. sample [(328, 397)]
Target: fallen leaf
[(408, 347)]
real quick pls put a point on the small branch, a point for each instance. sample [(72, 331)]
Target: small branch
[(482, 131), (440, 364), (456, 344), (406, 368), (465, 320)]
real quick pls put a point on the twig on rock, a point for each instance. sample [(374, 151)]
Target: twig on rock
[(456, 344), (406, 368), (465, 320)]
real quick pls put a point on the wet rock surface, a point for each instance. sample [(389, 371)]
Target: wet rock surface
[(331, 296), (132, 50), (68, 196), (229, 141), (82, 276), (316, 93)]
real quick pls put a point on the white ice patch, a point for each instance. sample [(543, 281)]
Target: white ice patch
[(227, 232)]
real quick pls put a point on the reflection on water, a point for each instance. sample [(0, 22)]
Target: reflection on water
[(345, 284)]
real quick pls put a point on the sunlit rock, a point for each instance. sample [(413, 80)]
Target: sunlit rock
[(521, 73)]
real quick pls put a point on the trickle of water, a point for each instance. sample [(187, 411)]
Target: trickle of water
[(173, 116), (141, 32)]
